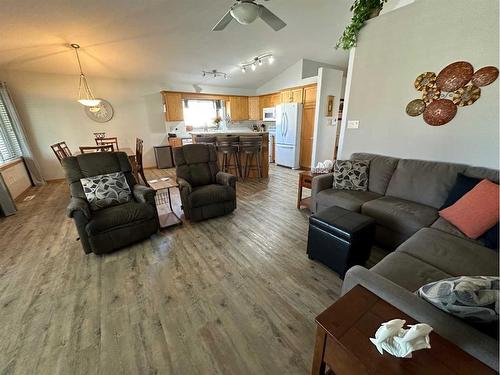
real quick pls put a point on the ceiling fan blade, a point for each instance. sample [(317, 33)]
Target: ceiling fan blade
[(224, 21), (270, 18)]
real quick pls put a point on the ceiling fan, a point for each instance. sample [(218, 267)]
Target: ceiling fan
[(247, 11)]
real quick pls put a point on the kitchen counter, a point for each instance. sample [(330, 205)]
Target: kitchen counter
[(264, 159)]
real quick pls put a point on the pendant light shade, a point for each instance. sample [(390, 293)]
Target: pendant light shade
[(85, 95)]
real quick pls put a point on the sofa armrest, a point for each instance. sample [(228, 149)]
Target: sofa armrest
[(184, 186), (223, 178), (144, 194), (320, 183), (78, 204), (466, 337)]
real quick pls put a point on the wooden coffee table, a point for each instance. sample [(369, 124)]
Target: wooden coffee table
[(166, 215), (343, 345)]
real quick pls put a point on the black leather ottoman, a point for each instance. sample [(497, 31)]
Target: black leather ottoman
[(340, 238)]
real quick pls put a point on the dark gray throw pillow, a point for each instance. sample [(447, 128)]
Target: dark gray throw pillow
[(106, 190), (350, 174), (473, 298)]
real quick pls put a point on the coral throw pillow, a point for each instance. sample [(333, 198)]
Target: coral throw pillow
[(476, 211)]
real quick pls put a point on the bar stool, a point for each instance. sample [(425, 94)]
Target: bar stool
[(207, 140), (228, 146), (251, 148)]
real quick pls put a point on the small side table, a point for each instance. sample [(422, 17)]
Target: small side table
[(305, 181), (343, 345), (166, 215)]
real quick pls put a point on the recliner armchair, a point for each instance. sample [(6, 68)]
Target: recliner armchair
[(205, 191), (110, 228)]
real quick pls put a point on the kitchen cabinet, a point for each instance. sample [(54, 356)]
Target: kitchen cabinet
[(238, 108), (286, 96), (310, 95), (275, 99), (264, 102), (173, 106), (297, 95), (254, 112)]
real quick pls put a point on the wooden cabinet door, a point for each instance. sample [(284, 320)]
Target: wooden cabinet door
[(238, 108), (286, 96), (173, 106), (254, 108), (306, 136), (275, 99), (296, 95), (310, 95), (264, 102)]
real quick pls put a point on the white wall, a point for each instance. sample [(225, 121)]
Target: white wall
[(393, 50), (290, 77), (330, 82)]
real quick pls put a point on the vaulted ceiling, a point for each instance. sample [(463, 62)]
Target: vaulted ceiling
[(165, 40)]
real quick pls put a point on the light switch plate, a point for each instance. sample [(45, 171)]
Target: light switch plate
[(353, 124)]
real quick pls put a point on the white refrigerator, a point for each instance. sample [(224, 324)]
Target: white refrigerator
[(288, 122)]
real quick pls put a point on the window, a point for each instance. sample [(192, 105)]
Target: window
[(9, 145), (202, 113)]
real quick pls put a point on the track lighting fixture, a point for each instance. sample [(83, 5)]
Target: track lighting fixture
[(214, 74), (258, 60)]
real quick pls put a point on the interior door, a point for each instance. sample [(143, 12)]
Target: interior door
[(306, 136)]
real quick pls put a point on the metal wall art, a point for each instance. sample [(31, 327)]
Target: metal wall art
[(456, 85)]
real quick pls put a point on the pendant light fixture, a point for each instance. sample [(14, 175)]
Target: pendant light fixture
[(85, 96)]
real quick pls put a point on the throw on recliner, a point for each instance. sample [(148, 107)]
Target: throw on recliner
[(108, 229), (205, 191)]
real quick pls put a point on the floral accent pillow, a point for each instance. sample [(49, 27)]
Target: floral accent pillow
[(351, 174), (106, 190), (473, 298)]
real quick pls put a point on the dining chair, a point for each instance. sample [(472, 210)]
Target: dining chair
[(61, 150), (139, 146), (108, 141), (100, 135), (102, 148)]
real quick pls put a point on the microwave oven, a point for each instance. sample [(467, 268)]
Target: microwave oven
[(269, 114)]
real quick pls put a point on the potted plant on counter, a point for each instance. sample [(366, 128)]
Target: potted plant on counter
[(362, 10)]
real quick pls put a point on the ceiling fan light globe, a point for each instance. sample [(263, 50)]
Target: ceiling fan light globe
[(245, 13), (89, 102)]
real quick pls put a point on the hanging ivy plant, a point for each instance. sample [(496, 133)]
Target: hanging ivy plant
[(362, 10)]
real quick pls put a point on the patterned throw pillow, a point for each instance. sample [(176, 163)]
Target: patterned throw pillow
[(473, 298), (106, 190), (350, 174)]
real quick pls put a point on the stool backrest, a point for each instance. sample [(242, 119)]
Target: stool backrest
[(206, 140), (227, 143), (250, 143)]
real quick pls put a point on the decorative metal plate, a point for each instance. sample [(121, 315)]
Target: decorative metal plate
[(424, 80), (485, 76), (415, 107), (103, 112), (454, 76), (466, 95), (440, 112), (430, 93)]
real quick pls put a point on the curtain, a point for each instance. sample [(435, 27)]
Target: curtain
[(7, 205), (29, 160)]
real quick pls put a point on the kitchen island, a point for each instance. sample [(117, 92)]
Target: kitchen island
[(264, 162)]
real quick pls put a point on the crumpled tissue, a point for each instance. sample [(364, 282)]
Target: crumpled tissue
[(400, 342)]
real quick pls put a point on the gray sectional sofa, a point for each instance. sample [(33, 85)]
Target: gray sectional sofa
[(404, 197)]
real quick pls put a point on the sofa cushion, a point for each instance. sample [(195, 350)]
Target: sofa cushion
[(351, 200), (477, 211), (381, 170), (425, 182), (482, 173), (407, 271), (400, 215), (454, 255), (447, 227), (116, 216), (351, 174), (210, 194)]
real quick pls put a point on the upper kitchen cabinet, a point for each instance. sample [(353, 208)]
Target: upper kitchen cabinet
[(237, 107), (297, 95), (254, 112), (275, 99), (286, 96), (291, 95), (310, 95), (173, 106)]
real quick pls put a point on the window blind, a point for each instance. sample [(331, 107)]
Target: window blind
[(9, 145)]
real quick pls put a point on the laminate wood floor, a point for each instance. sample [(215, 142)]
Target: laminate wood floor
[(232, 295)]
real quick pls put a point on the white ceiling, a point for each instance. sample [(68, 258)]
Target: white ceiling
[(165, 40)]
